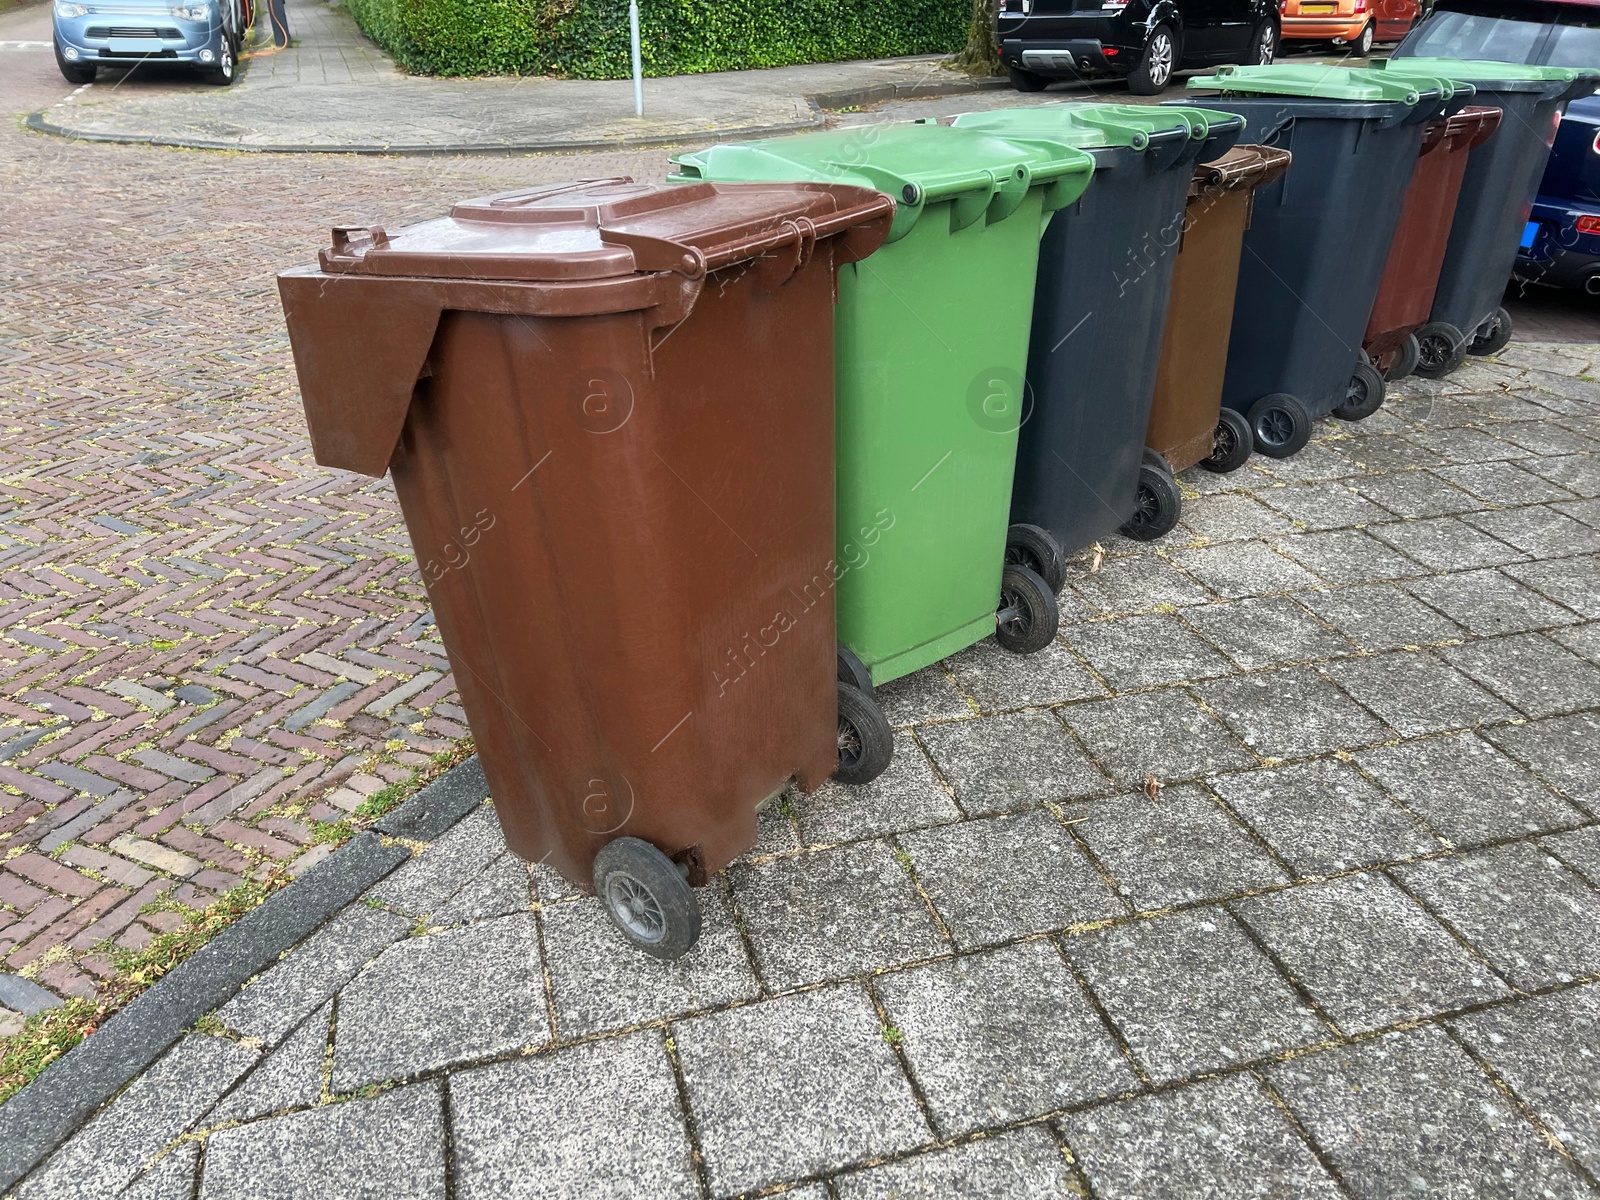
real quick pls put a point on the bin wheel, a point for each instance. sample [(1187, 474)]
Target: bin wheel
[(1026, 619), (866, 743), (1280, 425), (853, 671), (1156, 64), (1156, 506), (1233, 441), (1405, 359), (1441, 348), (1364, 394), (1027, 81), (1037, 549), (1493, 334), (647, 897)]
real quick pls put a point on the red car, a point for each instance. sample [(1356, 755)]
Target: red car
[(1353, 23)]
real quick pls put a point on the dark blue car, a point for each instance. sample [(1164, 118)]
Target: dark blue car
[(1561, 247), (203, 34)]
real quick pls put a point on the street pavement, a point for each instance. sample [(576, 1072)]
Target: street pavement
[(1278, 874)]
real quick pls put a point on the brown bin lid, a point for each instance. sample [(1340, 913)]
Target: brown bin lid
[(1243, 166)]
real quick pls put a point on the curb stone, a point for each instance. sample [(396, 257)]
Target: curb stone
[(40, 1117)]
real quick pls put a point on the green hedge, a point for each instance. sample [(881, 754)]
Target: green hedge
[(588, 39)]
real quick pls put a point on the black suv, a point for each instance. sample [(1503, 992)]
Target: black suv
[(1143, 40)]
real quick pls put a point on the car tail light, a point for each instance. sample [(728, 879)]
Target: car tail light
[(1361, 7), (1589, 224), (1110, 51), (1115, 5)]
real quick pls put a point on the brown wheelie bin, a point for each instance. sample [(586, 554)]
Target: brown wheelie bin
[(1188, 423), (608, 411), (1399, 337)]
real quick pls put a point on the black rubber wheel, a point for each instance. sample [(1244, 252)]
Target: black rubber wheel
[(1037, 549), (222, 75), (1233, 441), (1280, 425), (647, 897), (74, 72), (1406, 359), (1026, 619), (1156, 506), (1496, 333), (1364, 394), (1156, 64), (1362, 44), (852, 670), (1026, 81), (1264, 44), (866, 743), (1441, 348)]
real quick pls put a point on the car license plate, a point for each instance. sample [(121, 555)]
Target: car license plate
[(1529, 233), (1316, 10)]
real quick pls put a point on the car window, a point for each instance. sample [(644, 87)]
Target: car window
[(1575, 46), (1464, 35)]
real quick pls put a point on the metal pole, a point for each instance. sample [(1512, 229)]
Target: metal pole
[(638, 69)]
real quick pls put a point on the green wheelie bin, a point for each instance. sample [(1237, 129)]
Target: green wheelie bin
[(932, 341)]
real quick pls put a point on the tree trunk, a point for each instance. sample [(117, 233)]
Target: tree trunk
[(980, 56)]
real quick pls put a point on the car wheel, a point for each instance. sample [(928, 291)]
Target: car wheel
[(1026, 81), (1156, 65), (1362, 44), (74, 72), (1264, 46), (222, 74)]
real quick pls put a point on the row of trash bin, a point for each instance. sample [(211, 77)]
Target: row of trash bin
[(691, 468)]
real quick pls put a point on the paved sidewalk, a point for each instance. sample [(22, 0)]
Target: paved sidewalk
[(1349, 946), (333, 90)]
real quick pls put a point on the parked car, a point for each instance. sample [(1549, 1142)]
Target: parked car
[(1546, 33), (1561, 247), (206, 34), (1144, 41), (1354, 23)]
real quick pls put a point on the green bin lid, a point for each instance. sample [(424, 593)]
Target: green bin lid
[(1091, 126), (916, 162), (1326, 83), (1487, 75)]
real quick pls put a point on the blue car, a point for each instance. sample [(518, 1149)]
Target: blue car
[(204, 34), (1561, 247)]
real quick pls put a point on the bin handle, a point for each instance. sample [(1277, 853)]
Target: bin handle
[(345, 237)]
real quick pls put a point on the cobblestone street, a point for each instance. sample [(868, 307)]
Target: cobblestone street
[(1277, 875)]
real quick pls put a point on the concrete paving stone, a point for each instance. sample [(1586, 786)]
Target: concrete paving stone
[(1234, 517), (776, 832), (1253, 569), (1322, 458), (1536, 921), (1587, 511), (906, 796), (1446, 544), (1538, 530), (288, 1077), (1388, 452), (1543, 437), (1579, 849), (1020, 1164), (1367, 953), (1267, 631), (1582, 640), (500, 888), (1415, 693), (1000, 1037), (1290, 712), (925, 695), (440, 999), (1548, 1050), (1322, 817), (1464, 445), (1219, 1137), (832, 914), (1466, 789), (1324, 505), (390, 1147), (1009, 876), (1560, 749), (1146, 651), (1381, 617), (1578, 473), (551, 887), (1343, 556), (1541, 678), (1177, 849), (1190, 992), (1490, 602), (1574, 582), (600, 982), (23, 995), (1504, 483), (165, 1101), (1136, 583), (285, 994), (596, 1120), (1417, 495), (998, 679), (1166, 734), (1012, 761), (445, 867), (172, 1178), (801, 1085), (1410, 1114)]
